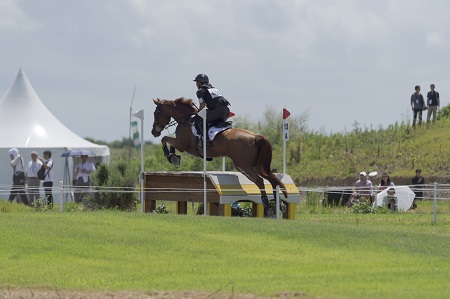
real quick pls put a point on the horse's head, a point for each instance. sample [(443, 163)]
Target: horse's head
[(178, 109), (161, 119)]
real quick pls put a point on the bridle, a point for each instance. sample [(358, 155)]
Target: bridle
[(159, 128)]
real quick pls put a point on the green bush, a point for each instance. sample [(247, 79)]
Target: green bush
[(313, 202), (161, 209), (362, 208), (110, 181), (444, 112), (41, 205)]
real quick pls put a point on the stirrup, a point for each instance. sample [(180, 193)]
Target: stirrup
[(198, 141)]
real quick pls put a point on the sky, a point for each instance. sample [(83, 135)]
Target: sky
[(337, 61)]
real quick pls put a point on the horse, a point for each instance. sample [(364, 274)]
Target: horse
[(251, 153)]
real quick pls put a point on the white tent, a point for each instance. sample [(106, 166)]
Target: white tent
[(28, 125)]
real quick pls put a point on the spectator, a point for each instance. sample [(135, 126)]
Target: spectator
[(433, 101), (390, 200), (363, 191), (385, 182), (47, 163), (83, 176), (18, 188), (32, 180), (418, 180), (417, 105)]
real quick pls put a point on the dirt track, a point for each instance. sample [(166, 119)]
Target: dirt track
[(52, 294)]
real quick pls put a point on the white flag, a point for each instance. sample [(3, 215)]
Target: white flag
[(135, 132), (139, 114)]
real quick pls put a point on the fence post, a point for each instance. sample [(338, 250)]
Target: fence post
[(61, 196), (277, 202), (435, 202), (374, 197)]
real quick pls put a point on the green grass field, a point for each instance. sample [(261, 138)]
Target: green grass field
[(331, 255)]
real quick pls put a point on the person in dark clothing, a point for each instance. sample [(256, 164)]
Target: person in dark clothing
[(385, 182), (211, 98), (417, 105), (433, 101), (47, 163), (18, 188), (418, 180)]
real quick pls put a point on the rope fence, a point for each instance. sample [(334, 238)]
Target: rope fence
[(442, 190), (435, 191)]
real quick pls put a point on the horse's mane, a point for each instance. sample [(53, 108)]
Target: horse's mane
[(180, 101)]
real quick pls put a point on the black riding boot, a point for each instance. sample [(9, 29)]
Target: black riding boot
[(208, 141), (199, 126)]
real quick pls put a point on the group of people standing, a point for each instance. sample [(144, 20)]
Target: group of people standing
[(418, 104), (28, 177), (364, 190)]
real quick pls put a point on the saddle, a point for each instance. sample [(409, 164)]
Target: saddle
[(220, 124), (213, 128)]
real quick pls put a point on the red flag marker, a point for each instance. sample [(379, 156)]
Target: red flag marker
[(286, 113), (231, 114)]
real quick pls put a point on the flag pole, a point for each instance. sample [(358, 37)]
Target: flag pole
[(286, 114), (129, 125), (284, 149), (202, 113), (140, 115), (142, 162), (224, 158)]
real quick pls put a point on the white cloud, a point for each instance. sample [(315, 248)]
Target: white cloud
[(330, 57), (13, 18), (436, 40)]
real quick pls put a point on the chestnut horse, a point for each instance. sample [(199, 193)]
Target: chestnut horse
[(250, 153)]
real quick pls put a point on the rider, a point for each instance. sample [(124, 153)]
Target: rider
[(212, 98)]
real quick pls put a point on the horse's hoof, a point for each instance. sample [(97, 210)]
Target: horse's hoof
[(175, 159)]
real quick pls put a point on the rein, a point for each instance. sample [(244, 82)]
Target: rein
[(173, 122), (170, 124)]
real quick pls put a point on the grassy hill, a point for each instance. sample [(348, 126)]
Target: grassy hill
[(336, 159), (397, 150)]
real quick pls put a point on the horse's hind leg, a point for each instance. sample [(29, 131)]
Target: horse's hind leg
[(253, 176)]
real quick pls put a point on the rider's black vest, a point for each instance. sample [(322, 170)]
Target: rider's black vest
[(211, 96)]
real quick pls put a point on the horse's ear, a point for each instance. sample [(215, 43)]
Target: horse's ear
[(156, 101)]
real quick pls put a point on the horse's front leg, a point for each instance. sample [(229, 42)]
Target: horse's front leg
[(170, 153), (173, 141)]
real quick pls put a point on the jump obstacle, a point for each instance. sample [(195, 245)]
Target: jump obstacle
[(223, 189)]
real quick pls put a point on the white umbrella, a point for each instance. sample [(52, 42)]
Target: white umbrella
[(404, 194), (78, 152)]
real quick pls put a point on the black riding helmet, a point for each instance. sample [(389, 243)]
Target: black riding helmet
[(202, 78)]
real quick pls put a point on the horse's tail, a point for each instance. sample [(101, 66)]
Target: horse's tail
[(263, 161)]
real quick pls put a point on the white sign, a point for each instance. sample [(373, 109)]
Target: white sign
[(286, 130)]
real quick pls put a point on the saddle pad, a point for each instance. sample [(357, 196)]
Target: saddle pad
[(212, 132)]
